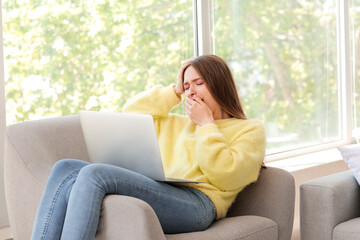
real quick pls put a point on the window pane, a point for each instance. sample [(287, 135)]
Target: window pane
[(355, 47), (283, 55), (64, 56)]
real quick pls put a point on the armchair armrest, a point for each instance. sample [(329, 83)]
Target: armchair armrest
[(327, 201), (125, 217), (271, 196)]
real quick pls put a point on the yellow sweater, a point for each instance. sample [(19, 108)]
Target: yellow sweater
[(226, 155)]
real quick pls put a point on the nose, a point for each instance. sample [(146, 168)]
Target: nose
[(191, 91)]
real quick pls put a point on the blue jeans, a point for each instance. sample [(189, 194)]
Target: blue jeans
[(71, 203)]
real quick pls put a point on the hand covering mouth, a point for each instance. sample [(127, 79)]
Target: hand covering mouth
[(192, 98)]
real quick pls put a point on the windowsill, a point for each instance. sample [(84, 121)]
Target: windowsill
[(309, 160)]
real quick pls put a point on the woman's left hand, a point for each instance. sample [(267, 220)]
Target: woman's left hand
[(198, 111)]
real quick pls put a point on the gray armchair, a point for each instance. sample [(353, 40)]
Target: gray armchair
[(330, 208), (264, 210)]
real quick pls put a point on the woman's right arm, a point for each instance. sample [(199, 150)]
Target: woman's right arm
[(157, 101)]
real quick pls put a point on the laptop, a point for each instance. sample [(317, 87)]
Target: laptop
[(126, 140)]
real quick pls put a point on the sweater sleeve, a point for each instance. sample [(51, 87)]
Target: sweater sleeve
[(157, 101), (231, 166)]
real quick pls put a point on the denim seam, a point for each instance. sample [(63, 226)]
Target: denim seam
[(125, 182), (92, 215), (205, 206), (200, 221), (211, 212), (55, 197), (144, 188)]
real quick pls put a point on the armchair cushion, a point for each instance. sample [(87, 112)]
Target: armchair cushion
[(240, 228), (349, 230)]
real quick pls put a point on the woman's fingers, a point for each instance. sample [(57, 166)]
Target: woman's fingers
[(198, 111), (179, 88), (184, 65), (198, 100), (191, 103)]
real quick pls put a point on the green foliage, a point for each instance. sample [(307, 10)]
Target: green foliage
[(283, 55), (64, 56)]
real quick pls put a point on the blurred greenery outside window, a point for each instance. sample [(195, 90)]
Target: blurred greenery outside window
[(64, 56), (283, 55)]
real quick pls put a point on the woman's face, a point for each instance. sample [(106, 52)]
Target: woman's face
[(194, 85)]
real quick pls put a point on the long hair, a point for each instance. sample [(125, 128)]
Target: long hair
[(217, 74)]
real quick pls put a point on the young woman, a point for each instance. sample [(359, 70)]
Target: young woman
[(214, 144)]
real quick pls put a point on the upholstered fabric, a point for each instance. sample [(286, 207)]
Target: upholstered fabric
[(278, 204), (240, 228), (349, 230), (135, 219), (32, 148), (326, 202)]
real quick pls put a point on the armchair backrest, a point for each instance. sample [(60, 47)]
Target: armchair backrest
[(43, 142), (271, 196), (31, 149)]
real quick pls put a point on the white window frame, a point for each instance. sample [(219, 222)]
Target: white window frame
[(344, 90), (203, 45), (202, 27), (203, 18), (345, 76)]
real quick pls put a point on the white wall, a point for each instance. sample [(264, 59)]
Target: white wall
[(4, 222)]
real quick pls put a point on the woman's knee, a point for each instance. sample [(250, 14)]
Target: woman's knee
[(102, 175), (65, 166), (92, 171), (63, 171)]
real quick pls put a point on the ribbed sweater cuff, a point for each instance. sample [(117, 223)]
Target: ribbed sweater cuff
[(170, 95)]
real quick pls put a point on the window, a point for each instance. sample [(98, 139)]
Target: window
[(283, 55), (286, 57), (61, 57)]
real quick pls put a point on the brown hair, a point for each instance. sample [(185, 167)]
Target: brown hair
[(217, 74)]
